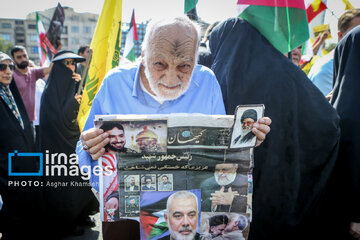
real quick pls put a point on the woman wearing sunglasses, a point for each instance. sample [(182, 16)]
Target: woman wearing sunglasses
[(22, 206), (69, 206)]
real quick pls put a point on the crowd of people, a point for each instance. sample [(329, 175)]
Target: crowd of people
[(306, 175)]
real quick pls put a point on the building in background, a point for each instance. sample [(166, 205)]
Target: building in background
[(78, 30)]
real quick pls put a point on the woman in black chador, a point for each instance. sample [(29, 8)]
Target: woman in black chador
[(69, 204)]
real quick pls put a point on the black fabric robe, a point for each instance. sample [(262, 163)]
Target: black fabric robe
[(294, 164), (22, 211), (346, 102), (59, 133)]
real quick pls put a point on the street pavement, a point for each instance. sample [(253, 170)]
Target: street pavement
[(90, 233)]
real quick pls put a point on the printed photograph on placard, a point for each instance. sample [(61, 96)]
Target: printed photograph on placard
[(170, 215), (245, 117), (225, 190), (224, 225), (137, 136), (165, 182), (148, 182), (132, 183), (132, 204)]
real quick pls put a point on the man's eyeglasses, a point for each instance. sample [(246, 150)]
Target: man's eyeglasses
[(3, 66), (69, 62)]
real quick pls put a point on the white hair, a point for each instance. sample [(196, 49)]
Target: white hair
[(182, 20), (182, 195), (242, 221)]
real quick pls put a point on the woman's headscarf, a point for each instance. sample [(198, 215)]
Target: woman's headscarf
[(294, 164)]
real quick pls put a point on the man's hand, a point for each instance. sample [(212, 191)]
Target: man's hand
[(329, 96), (355, 230), (48, 70), (223, 198), (76, 77), (78, 98), (113, 203), (94, 140), (260, 129)]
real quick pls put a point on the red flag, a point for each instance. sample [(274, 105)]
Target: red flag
[(312, 12)]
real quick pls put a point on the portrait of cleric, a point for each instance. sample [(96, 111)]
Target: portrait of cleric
[(228, 226), (182, 216), (245, 117), (225, 191), (148, 182)]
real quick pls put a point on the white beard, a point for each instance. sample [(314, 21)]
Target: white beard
[(246, 131), (230, 177), (165, 94), (178, 236)]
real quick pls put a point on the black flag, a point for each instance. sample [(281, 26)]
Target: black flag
[(56, 25)]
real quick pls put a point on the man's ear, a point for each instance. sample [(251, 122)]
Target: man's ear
[(166, 217), (142, 57), (340, 35)]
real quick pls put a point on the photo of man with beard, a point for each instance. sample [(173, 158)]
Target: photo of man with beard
[(242, 136), (226, 191), (109, 161), (182, 216)]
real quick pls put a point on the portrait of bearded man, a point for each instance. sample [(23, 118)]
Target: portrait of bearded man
[(225, 191)]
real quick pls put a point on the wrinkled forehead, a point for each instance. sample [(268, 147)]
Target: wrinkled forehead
[(173, 41)]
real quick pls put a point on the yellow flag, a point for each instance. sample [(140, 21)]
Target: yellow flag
[(315, 5), (105, 44), (348, 5)]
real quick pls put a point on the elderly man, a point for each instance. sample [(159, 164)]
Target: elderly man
[(235, 227), (22, 206), (248, 119), (166, 81), (182, 216), (226, 190)]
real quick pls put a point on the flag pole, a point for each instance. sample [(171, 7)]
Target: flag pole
[(85, 73)]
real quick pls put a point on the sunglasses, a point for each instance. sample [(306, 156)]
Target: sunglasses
[(3, 66), (67, 62)]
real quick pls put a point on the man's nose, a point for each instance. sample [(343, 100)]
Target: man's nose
[(186, 221), (172, 77)]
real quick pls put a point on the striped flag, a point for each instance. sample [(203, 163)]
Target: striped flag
[(131, 37), (105, 44), (189, 5), (314, 9), (43, 54), (282, 22)]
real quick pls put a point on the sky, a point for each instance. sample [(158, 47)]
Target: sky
[(208, 10)]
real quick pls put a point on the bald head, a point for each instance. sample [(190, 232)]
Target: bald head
[(169, 54), (177, 30)]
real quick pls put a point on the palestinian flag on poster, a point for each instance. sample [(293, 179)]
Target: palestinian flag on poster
[(152, 209), (131, 37), (282, 22), (43, 54), (314, 9)]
